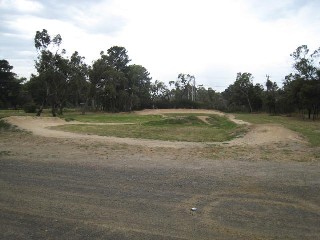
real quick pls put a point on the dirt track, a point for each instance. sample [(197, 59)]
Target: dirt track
[(87, 188), (258, 134)]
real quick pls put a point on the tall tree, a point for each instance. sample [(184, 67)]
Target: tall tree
[(36, 87), (118, 58), (271, 93), (185, 88), (9, 86), (244, 94), (243, 86), (52, 68), (78, 74), (158, 89), (139, 87), (303, 86), (115, 85)]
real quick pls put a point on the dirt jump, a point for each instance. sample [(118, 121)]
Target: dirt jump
[(257, 134)]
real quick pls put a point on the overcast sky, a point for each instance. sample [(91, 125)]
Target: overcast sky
[(210, 39)]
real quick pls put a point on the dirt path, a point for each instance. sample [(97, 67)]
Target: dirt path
[(165, 111), (204, 119), (41, 126), (257, 135)]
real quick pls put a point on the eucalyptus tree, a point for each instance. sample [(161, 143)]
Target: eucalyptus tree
[(271, 95), (10, 86), (185, 88), (139, 85), (97, 76), (158, 90), (36, 89), (118, 60), (52, 68), (243, 86), (209, 98), (303, 86), (243, 94), (118, 86), (78, 85), (109, 80)]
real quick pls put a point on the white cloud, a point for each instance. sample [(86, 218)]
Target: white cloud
[(25, 6), (212, 40)]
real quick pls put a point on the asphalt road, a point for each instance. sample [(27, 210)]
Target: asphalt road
[(234, 199)]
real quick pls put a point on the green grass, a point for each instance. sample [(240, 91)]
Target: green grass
[(309, 129), (176, 120), (175, 127), (6, 127), (8, 113), (110, 117), (5, 153), (172, 127)]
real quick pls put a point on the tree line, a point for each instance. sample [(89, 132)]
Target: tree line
[(112, 84)]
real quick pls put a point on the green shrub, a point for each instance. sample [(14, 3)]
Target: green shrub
[(69, 119), (4, 126), (30, 108)]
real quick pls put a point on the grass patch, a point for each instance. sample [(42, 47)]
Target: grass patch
[(5, 153), (172, 127), (309, 129), (6, 127), (176, 120), (8, 113), (109, 117)]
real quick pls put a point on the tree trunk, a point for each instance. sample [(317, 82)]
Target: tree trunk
[(314, 115), (40, 111), (249, 104), (60, 112), (54, 110), (84, 106), (53, 107), (41, 108)]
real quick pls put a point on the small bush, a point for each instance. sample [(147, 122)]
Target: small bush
[(4, 126), (69, 119), (30, 108)]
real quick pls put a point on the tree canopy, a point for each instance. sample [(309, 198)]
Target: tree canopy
[(112, 84), (10, 86)]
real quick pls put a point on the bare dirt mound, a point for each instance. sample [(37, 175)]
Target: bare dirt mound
[(257, 134), (204, 119), (198, 111), (267, 133)]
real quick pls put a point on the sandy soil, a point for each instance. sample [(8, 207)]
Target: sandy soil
[(57, 185)]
